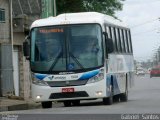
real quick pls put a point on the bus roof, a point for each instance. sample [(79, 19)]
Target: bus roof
[(78, 18)]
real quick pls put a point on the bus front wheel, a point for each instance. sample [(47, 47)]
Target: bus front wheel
[(47, 104), (67, 103), (76, 102)]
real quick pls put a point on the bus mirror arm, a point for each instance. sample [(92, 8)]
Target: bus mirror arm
[(26, 48), (105, 34)]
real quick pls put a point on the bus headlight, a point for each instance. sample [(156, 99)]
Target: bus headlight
[(96, 78), (39, 82)]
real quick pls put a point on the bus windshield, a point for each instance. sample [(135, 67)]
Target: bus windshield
[(66, 48)]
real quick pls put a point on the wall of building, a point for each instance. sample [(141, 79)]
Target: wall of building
[(18, 38), (6, 66), (5, 26), (24, 13)]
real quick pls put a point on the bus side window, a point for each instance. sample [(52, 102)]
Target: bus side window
[(109, 41), (129, 42), (126, 41), (122, 41), (119, 40), (123, 37), (108, 32), (111, 36), (116, 40)]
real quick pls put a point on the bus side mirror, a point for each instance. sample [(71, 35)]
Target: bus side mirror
[(26, 48), (109, 44)]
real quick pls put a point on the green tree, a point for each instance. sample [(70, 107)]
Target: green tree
[(66, 6), (108, 7)]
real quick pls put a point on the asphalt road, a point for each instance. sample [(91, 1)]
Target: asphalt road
[(143, 98)]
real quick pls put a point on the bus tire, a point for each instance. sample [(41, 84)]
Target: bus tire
[(109, 100), (124, 96), (67, 103), (47, 104), (116, 98), (76, 102)]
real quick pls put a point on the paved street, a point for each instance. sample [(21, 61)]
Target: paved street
[(144, 98)]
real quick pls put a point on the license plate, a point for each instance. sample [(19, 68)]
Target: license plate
[(67, 90)]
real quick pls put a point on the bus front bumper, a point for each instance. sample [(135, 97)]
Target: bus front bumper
[(88, 91)]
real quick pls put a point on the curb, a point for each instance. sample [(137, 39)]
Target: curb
[(14, 107)]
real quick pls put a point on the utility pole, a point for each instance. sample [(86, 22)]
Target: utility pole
[(55, 7), (48, 8), (11, 36)]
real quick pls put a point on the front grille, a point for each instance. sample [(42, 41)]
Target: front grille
[(67, 83), (68, 95)]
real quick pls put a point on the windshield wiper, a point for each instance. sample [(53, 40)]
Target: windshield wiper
[(55, 61), (76, 60)]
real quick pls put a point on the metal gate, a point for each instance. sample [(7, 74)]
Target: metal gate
[(6, 70)]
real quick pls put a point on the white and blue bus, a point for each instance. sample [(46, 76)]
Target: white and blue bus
[(80, 56)]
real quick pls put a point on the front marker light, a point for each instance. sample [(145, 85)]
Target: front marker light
[(38, 97), (99, 93)]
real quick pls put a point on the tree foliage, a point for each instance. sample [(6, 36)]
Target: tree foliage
[(108, 7)]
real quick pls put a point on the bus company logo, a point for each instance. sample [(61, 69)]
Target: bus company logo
[(60, 78), (50, 77)]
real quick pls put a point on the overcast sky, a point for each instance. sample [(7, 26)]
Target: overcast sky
[(142, 17)]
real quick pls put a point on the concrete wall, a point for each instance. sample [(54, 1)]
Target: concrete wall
[(18, 38), (24, 12), (25, 81), (6, 68)]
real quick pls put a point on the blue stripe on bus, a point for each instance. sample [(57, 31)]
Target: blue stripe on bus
[(40, 76), (89, 75), (115, 84), (116, 87)]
